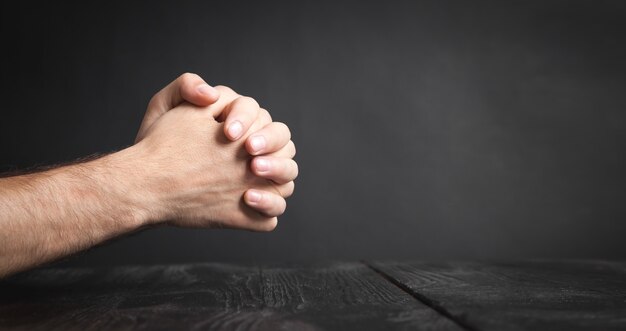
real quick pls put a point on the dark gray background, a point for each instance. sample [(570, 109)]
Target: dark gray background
[(425, 129)]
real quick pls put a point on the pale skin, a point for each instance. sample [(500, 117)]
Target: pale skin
[(203, 157)]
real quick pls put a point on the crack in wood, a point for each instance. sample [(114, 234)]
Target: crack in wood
[(423, 299)]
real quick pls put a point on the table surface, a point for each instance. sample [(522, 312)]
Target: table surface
[(528, 295)]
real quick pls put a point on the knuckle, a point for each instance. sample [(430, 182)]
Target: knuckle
[(266, 114), (284, 128), (245, 105), (288, 189), (270, 225), (291, 148), (282, 206), (225, 90), (187, 76), (154, 101), (295, 169), (249, 102)]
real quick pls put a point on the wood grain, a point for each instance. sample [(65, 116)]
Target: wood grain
[(531, 295), (335, 296)]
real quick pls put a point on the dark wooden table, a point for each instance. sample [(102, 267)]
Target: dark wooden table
[(531, 295)]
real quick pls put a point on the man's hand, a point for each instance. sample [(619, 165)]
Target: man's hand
[(195, 177), (183, 170), (272, 142)]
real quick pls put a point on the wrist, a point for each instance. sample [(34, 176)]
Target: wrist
[(117, 181)]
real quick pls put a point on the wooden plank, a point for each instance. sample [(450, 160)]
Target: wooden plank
[(531, 295), (212, 296)]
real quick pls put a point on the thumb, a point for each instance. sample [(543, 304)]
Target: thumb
[(187, 87)]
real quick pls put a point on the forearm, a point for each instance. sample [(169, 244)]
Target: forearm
[(47, 215)]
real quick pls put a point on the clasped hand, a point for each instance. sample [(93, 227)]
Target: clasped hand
[(210, 157)]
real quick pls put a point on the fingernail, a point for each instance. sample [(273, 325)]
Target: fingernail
[(206, 89), (262, 165), (234, 130), (257, 143), (254, 196)]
